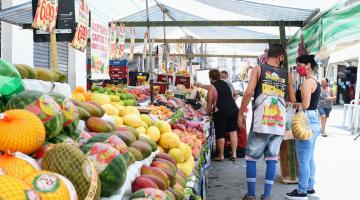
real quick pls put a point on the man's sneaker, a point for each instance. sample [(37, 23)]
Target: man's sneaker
[(295, 195), (265, 198), (246, 197), (311, 192)]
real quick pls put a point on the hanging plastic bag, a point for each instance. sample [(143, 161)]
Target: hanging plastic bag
[(301, 126), (290, 112), (10, 80)]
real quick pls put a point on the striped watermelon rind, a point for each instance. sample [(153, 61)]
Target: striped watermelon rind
[(114, 175)]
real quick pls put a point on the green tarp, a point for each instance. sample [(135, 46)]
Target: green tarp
[(338, 25)]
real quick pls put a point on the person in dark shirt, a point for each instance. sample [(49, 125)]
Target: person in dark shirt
[(225, 115), (308, 97), (225, 77)]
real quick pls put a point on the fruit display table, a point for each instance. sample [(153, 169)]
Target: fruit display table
[(47, 87)]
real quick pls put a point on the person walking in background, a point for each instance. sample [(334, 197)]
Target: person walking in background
[(225, 77), (222, 106), (270, 85), (326, 101), (308, 95)]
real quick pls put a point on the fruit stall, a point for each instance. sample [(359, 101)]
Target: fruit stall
[(102, 143)]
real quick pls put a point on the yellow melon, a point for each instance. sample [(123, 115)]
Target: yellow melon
[(141, 130), (21, 130), (101, 99), (110, 109), (163, 126), (129, 110), (154, 133), (177, 154), (132, 120), (186, 168), (118, 121), (147, 119), (51, 186), (187, 150), (18, 164), (169, 140), (144, 124), (12, 188)]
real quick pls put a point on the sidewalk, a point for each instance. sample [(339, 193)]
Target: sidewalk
[(338, 169)]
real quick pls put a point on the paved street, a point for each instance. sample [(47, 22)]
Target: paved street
[(338, 169)]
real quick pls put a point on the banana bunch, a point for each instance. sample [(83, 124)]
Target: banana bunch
[(300, 127)]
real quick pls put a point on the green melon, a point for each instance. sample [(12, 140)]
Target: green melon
[(23, 73), (32, 73), (70, 162), (44, 106), (113, 173), (62, 77), (70, 111)]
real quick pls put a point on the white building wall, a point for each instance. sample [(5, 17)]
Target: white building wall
[(17, 44)]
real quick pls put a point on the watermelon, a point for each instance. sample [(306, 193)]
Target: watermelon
[(61, 138), (2, 106), (43, 106), (113, 140), (70, 111), (110, 165)]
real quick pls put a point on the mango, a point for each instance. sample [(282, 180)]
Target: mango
[(136, 153), (46, 75), (164, 165), (102, 111), (143, 147), (166, 156), (179, 190), (180, 179), (142, 182), (160, 183), (170, 195), (62, 78), (98, 125), (93, 110), (145, 170), (148, 140), (83, 114)]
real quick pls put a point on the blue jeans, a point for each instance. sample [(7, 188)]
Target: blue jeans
[(305, 154)]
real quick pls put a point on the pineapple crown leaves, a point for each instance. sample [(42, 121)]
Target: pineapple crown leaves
[(274, 101)]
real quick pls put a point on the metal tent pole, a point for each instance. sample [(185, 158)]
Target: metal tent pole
[(151, 80), (165, 54)]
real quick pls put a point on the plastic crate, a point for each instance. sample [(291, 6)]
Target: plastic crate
[(184, 80), (116, 69), (119, 62), (162, 78), (162, 87)]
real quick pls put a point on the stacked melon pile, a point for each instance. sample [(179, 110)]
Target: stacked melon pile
[(161, 178)]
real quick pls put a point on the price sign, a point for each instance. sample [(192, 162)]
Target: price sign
[(82, 31), (46, 15)]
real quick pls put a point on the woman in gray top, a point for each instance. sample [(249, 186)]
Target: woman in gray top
[(327, 99)]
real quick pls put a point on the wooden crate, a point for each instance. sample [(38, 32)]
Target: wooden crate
[(288, 162)]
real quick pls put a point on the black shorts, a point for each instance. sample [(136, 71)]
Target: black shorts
[(224, 124)]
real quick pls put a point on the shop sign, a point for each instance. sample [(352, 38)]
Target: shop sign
[(132, 43), (54, 16), (82, 31), (112, 41), (121, 41), (99, 48)]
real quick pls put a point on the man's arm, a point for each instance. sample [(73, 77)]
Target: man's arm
[(291, 89), (254, 77)]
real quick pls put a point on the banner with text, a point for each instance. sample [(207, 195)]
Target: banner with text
[(132, 44), (46, 15), (121, 41), (82, 31), (112, 41), (99, 48)]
